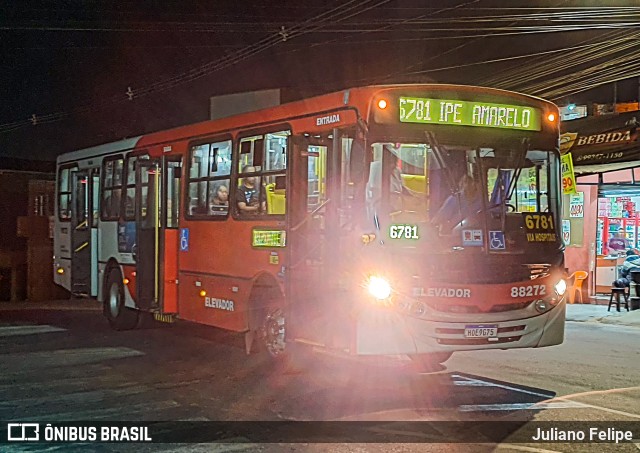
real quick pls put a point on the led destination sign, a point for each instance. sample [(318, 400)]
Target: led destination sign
[(469, 113), (268, 238)]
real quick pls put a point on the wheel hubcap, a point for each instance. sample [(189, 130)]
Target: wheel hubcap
[(114, 300), (274, 333)]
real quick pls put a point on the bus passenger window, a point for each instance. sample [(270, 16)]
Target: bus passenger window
[(198, 198), (129, 204), (261, 182), (112, 188), (111, 205), (275, 190), (276, 151), (174, 173), (64, 194), (209, 183)]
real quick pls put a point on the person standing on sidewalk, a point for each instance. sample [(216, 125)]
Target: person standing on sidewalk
[(630, 263)]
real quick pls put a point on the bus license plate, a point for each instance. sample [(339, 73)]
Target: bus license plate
[(481, 331)]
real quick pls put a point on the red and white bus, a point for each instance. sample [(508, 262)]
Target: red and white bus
[(400, 219)]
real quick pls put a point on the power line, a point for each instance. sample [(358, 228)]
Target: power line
[(345, 11)]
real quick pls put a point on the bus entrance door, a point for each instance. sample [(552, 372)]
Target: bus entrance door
[(313, 212), (307, 239), (148, 243), (81, 223)]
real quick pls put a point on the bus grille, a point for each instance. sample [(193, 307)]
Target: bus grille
[(446, 308), (476, 341)]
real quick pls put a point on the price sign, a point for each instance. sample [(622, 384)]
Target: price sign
[(576, 205), (568, 178)]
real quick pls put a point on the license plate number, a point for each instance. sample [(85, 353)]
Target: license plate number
[(481, 331)]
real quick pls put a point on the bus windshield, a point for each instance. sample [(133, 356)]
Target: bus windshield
[(449, 188)]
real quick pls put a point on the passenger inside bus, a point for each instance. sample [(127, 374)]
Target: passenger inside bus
[(219, 202), (111, 205), (465, 202), (249, 198)]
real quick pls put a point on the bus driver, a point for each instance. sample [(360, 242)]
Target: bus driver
[(465, 202)]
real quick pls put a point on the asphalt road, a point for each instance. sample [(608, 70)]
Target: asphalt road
[(65, 364)]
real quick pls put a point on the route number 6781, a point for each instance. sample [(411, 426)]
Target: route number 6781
[(530, 290)]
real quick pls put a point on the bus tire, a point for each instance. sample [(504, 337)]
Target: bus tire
[(119, 316), (431, 361), (281, 355)]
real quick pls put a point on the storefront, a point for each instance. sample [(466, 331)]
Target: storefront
[(602, 220)]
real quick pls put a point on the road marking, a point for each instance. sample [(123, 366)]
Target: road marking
[(123, 412), (23, 362), (10, 331), (77, 398), (552, 401), (520, 406), (480, 383), (523, 448), (602, 392), (604, 409), (599, 392)]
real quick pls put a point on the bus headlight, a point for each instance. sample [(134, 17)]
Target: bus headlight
[(561, 287), (379, 287)]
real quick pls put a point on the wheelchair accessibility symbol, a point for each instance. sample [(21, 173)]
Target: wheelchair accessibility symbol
[(496, 240), (184, 239)]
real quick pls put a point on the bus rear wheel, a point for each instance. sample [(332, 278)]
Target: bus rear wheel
[(431, 361), (120, 317)]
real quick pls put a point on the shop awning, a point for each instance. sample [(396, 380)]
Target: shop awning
[(602, 143)]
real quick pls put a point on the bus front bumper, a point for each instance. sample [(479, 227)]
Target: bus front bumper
[(384, 332)]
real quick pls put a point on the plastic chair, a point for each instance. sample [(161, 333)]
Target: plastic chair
[(576, 288)]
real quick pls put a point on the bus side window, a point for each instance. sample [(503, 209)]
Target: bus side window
[(64, 194), (276, 195), (208, 182), (112, 188), (261, 181)]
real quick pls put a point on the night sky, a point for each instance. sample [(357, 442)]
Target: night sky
[(71, 62)]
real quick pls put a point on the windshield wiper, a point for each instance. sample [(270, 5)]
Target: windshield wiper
[(435, 146), (514, 182)]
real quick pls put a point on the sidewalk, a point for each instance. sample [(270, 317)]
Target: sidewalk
[(599, 313)]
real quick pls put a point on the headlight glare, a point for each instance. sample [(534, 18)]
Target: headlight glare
[(379, 287)]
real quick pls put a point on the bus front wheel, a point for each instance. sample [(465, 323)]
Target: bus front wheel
[(274, 333), (283, 356), (120, 317)]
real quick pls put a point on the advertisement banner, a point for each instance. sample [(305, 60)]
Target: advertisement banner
[(566, 231), (568, 178)]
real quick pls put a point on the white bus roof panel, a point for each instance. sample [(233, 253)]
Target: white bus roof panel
[(99, 151)]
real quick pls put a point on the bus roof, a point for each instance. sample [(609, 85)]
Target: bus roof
[(359, 98)]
